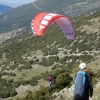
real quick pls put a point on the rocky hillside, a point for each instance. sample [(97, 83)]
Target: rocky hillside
[(67, 93), (26, 58)]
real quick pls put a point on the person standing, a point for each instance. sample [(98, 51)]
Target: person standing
[(51, 81), (83, 87)]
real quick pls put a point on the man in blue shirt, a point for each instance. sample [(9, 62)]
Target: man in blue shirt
[(83, 87)]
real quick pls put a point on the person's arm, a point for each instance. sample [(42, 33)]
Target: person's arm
[(90, 86)]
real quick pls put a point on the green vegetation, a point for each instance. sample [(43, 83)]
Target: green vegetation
[(26, 59), (43, 92)]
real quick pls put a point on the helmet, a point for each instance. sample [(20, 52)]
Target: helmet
[(82, 66)]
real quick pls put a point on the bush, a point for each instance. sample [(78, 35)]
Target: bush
[(63, 80), (13, 93)]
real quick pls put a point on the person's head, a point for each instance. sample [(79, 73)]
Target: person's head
[(82, 66)]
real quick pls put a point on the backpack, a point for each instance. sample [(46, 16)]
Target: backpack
[(79, 85), (50, 78)]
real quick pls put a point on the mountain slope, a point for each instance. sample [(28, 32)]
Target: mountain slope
[(31, 58), (13, 5), (4, 8), (25, 59), (21, 17)]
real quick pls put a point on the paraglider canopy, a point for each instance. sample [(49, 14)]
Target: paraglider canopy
[(42, 20)]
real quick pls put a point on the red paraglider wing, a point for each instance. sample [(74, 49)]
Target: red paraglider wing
[(42, 20)]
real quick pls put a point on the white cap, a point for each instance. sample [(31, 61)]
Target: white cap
[(82, 66)]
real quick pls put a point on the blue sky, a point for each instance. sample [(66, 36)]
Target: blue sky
[(17, 1)]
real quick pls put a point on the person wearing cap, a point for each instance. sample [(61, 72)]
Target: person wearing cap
[(83, 87)]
